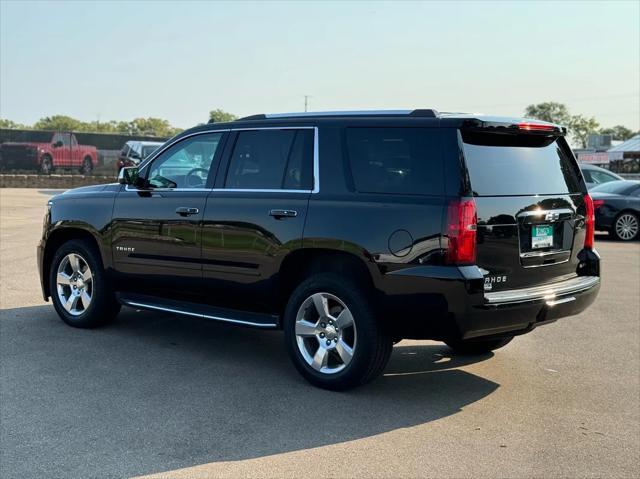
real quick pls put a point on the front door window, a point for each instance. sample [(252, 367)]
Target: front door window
[(185, 165)]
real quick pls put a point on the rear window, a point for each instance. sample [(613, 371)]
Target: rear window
[(618, 187), (511, 165), (395, 160)]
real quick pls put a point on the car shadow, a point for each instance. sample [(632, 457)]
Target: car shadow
[(155, 392)]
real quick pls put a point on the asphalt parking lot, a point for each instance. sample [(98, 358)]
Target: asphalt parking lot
[(160, 394)]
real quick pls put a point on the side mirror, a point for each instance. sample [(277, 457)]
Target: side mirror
[(57, 144), (128, 176)]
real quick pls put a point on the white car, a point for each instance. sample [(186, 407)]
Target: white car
[(133, 152)]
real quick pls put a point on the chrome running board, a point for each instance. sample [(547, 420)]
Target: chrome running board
[(241, 318)]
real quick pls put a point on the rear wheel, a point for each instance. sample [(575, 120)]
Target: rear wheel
[(80, 291), (46, 165), (476, 347), (626, 226), (87, 166), (332, 334)]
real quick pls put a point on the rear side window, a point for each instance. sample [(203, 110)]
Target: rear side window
[(599, 177), (396, 160), (511, 165), (272, 159)]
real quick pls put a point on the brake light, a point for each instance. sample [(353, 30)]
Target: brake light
[(597, 204), (590, 222), (527, 125), (462, 223)]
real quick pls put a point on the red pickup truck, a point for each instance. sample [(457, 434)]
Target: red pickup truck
[(63, 151)]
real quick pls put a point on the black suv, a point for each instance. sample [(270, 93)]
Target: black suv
[(348, 230)]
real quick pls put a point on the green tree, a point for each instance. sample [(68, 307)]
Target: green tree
[(147, 126), (580, 127), (12, 125), (221, 116), (550, 111), (58, 123), (618, 132)]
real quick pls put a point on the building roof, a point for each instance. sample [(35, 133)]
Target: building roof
[(632, 144)]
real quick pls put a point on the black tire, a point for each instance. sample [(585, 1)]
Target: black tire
[(103, 307), (372, 350), (87, 166), (632, 221), (471, 347), (46, 165)]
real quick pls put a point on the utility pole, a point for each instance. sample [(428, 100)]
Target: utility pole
[(306, 101)]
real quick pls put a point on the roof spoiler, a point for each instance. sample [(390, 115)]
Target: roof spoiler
[(534, 127)]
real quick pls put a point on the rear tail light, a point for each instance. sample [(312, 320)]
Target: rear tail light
[(462, 223), (526, 125), (597, 204), (590, 222)]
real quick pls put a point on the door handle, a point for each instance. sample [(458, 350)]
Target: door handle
[(278, 214), (186, 211)]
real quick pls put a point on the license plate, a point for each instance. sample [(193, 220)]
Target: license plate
[(541, 236)]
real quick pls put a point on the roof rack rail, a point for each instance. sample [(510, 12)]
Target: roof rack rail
[(425, 113)]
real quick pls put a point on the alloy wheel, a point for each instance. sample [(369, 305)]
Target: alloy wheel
[(74, 282), (325, 333), (627, 226)]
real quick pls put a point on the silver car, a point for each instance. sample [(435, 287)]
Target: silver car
[(594, 175)]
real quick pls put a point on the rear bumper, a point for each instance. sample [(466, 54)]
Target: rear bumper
[(514, 312), (604, 218), (441, 302)]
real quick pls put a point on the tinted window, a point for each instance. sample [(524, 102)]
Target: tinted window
[(395, 160), (148, 149), (508, 165), (272, 159), (599, 177), (186, 164)]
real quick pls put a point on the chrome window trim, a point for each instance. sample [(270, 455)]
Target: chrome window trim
[(258, 190), (316, 162)]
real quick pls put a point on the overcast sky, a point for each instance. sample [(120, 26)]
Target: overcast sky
[(179, 60)]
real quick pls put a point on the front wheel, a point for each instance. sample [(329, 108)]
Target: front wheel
[(332, 334), (626, 227), (473, 347), (79, 288), (87, 166), (46, 165)]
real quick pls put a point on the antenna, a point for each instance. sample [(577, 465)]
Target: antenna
[(306, 102)]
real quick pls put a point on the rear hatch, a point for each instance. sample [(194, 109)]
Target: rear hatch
[(530, 202)]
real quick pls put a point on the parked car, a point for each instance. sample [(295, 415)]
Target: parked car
[(133, 152), (617, 208), (63, 151), (594, 175), (349, 231)]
